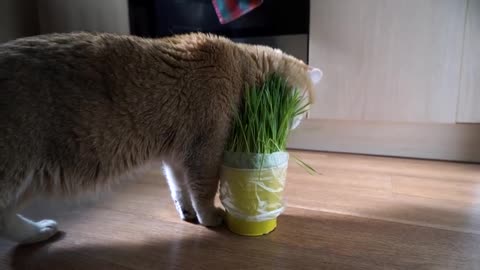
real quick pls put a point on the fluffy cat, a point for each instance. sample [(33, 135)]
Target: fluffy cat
[(79, 111)]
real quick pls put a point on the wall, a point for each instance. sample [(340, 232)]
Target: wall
[(18, 18), (84, 15)]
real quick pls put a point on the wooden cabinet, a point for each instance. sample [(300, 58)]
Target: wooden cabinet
[(398, 77)]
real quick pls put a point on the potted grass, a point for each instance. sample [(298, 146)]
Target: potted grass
[(255, 162)]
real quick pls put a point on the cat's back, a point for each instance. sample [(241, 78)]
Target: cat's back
[(62, 68), (58, 92), (34, 71), (44, 80), (46, 51), (33, 61)]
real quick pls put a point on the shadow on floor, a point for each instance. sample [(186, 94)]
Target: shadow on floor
[(318, 241)]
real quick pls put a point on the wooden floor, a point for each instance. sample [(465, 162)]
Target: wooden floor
[(361, 213)]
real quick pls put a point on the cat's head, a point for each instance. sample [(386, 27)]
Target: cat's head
[(315, 75), (301, 77)]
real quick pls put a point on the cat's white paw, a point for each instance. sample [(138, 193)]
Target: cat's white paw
[(43, 231), (211, 218)]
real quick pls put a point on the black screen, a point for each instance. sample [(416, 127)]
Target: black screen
[(159, 18)]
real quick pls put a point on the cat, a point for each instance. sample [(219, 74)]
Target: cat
[(79, 111)]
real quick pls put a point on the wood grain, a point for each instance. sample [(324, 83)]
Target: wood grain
[(362, 212), (387, 60), (469, 99)]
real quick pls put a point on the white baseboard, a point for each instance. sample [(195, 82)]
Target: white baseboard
[(456, 142)]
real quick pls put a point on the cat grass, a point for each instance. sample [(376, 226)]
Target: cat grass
[(263, 123)]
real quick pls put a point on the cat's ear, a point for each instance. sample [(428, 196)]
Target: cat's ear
[(315, 74)]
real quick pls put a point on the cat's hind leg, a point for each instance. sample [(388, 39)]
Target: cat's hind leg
[(176, 180), (17, 228)]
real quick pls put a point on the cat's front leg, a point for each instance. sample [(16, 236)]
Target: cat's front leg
[(202, 169), (176, 179), (202, 192)]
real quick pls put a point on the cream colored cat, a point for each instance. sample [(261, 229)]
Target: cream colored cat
[(80, 111)]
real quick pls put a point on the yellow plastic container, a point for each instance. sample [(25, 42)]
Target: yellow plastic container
[(253, 197), (250, 228)]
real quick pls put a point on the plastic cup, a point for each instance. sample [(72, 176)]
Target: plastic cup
[(253, 197)]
